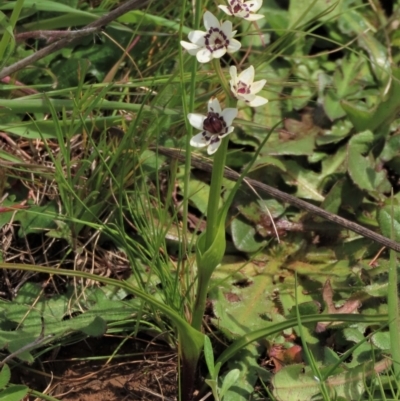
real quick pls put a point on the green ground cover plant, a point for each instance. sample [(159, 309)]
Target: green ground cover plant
[(221, 177)]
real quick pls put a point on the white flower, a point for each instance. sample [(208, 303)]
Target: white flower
[(243, 87), (214, 126), (214, 43), (243, 9)]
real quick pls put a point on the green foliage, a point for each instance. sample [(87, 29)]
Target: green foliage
[(87, 186), (21, 324), (12, 392)]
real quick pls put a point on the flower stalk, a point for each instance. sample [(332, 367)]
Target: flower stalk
[(215, 127)]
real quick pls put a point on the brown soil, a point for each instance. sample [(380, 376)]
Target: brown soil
[(140, 370)]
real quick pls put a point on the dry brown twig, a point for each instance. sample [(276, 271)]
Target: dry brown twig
[(202, 164), (93, 27)]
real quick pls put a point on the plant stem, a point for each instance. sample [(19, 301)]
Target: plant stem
[(5, 40), (218, 170), (201, 298), (213, 215), (215, 192), (393, 309), (188, 367)]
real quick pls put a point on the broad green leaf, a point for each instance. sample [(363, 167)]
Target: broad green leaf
[(136, 17), (333, 200), (198, 194), (37, 219), (362, 169), (383, 115), (332, 105), (381, 339), (291, 383), (229, 380), (96, 328), (391, 149), (303, 11), (353, 334), (301, 96), (44, 129), (340, 130), (41, 105), (358, 114), (296, 147), (70, 71), (214, 387), (243, 237), (247, 371), (390, 217), (46, 5), (5, 376), (58, 315), (357, 22), (243, 308), (306, 180), (346, 80), (377, 289), (209, 259), (209, 356), (14, 393)]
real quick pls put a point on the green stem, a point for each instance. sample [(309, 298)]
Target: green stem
[(393, 308), (13, 21), (205, 270), (186, 107), (230, 100), (215, 192), (218, 168), (201, 299), (189, 366)]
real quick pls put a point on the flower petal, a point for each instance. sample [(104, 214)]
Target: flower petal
[(196, 120), (233, 73), (226, 27), (258, 85), (219, 53), (230, 129), (197, 37), (204, 55), (210, 20), (258, 101), (253, 5), (253, 17), (200, 140), (189, 46), (229, 115), (234, 45), (213, 146), (214, 106), (247, 97), (225, 9), (247, 75)]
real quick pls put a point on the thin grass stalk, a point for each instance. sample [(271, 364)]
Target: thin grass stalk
[(309, 357), (186, 107), (188, 368), (5, 40), (393, 308)]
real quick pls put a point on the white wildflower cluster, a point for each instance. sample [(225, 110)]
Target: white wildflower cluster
[(215, 42)]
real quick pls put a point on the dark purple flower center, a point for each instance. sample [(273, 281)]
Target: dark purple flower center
[(214, 124), (243, 89), (236, 6), (215, 39)]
